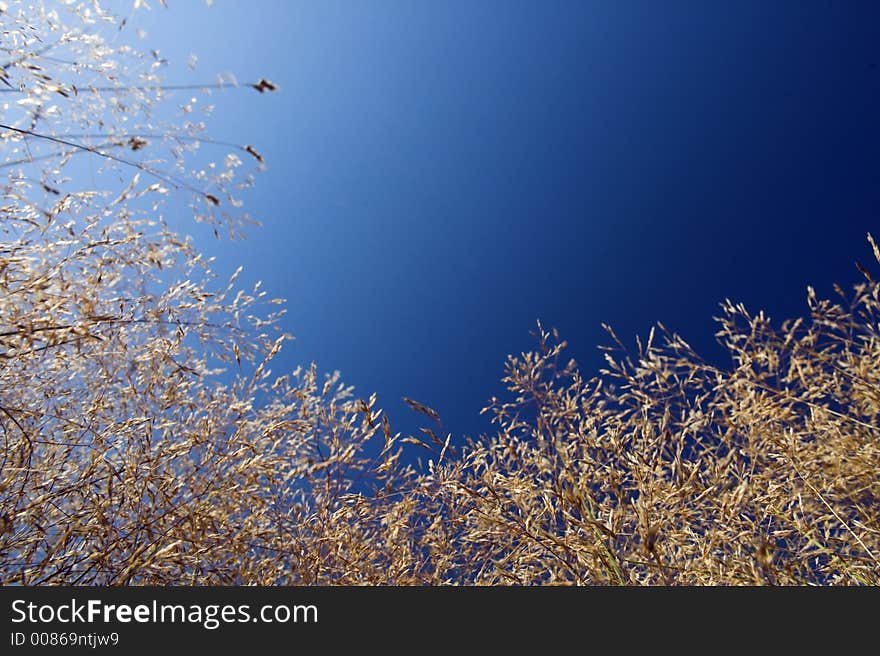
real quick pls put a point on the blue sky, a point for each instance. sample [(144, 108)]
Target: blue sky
[(442, 175)]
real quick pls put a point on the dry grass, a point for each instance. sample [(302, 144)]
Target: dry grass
[(662, 470), (127, 457)]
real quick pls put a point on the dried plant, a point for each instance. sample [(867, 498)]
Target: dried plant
[(145, 440)]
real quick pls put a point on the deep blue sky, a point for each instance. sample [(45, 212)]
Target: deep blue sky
[(443, 174)]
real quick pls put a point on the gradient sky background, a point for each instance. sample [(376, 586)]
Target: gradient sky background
[(443, 174)]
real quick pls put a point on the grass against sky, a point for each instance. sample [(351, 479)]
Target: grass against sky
[(442, 175)]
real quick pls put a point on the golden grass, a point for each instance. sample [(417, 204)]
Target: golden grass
[(126, 458), (662, 469)]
